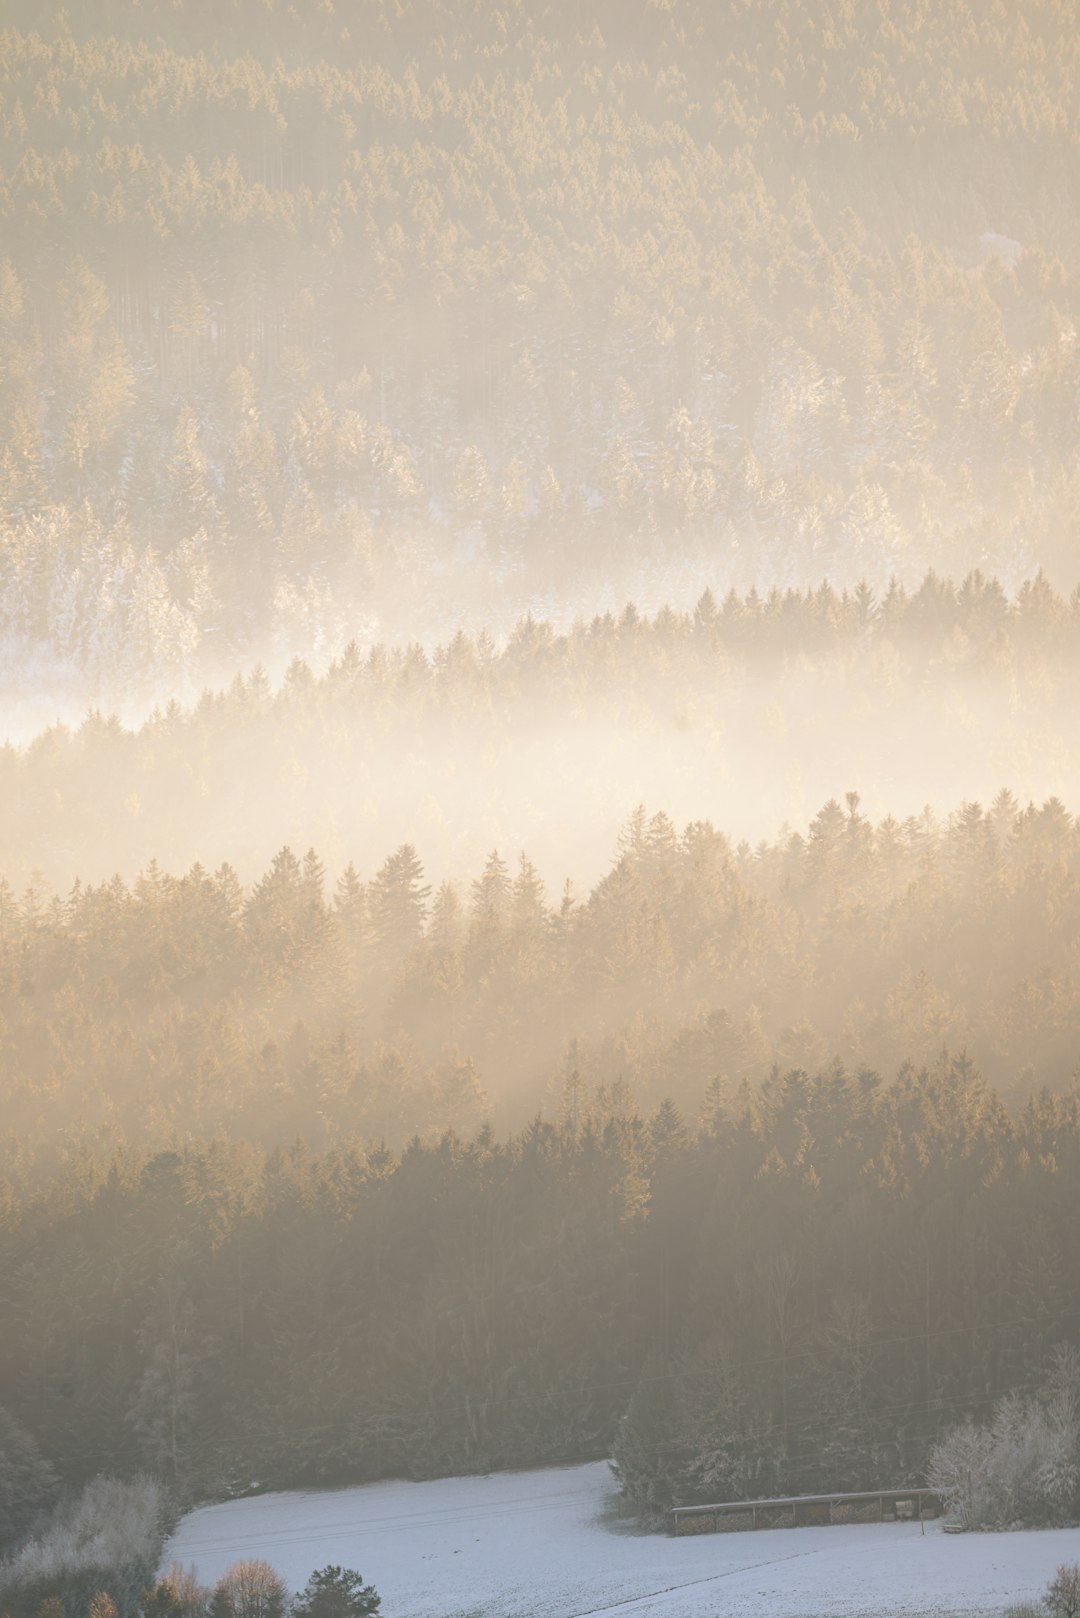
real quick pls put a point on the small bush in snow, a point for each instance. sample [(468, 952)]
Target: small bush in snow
[(1062, 1598)]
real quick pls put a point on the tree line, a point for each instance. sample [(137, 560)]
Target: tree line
[(959, 686), (377, 1008), (801, 1288)]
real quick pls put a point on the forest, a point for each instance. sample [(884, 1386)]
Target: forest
[(754, 709), (539, 797), (376, 1010), (299, 316), (818, 1272)]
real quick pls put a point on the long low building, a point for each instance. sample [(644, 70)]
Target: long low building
[(798, 1510)]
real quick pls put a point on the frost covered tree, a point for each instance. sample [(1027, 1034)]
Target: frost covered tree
[(1023, 1466), (729, 1451), (644, 1455), (956, 1471), (105, 1540)]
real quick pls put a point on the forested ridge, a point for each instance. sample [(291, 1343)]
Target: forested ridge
[(308, 312), (377, 1008), (754, 707)]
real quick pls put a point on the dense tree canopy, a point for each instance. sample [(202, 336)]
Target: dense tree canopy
[(752, 709), (187, 1004), (828, 1267), (302, 306)]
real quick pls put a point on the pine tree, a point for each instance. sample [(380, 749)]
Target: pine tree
[(27, 1481), (336, 1592), (646, 1450), (163, 1411), (397, 900)]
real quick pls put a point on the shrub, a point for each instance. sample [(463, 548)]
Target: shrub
[(249, 1590), (1062, 1598)]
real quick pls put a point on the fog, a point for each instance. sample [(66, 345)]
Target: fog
[(539, 786), (545, 745)]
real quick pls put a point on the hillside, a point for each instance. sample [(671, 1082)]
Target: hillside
[(311, 324)]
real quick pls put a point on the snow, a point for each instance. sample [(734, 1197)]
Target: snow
[(548, 1544)]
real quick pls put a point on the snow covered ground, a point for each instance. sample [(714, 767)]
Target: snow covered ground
[(546, 1544)]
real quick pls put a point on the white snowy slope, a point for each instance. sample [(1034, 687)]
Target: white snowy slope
[(545, 1544)]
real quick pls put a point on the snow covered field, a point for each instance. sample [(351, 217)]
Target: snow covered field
[(546, 1544)]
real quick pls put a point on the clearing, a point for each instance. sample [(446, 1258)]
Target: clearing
[(547, 1544)]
